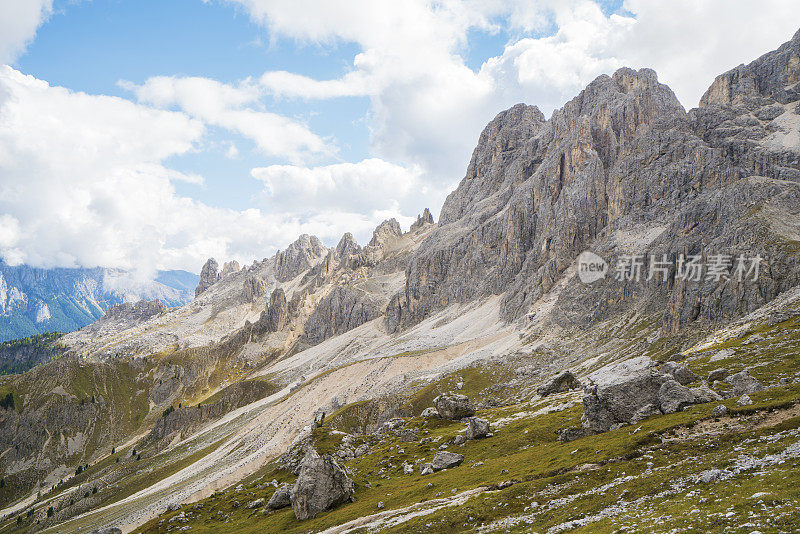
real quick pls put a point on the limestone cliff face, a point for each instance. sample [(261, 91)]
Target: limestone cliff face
[(621, 168), (135, 312), (341, 310), (277, 313)]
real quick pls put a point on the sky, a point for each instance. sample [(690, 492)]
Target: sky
[(144, 134)]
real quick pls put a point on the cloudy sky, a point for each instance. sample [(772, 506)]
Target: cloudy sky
[(147, 134)]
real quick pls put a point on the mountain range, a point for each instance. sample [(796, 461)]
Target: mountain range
[(600, 333), (35, 300)]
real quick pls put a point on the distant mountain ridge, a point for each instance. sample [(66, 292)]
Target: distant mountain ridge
[(34, 300)]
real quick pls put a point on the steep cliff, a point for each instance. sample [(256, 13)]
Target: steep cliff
[(622, 169)]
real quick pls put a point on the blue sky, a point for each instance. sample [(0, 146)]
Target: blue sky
[(91, 45), (234, 125)]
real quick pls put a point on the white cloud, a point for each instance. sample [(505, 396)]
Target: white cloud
[(691, 42), (365, 187), (83, 181), (84, 178), (235, 108), (427, 107), (19, 21)]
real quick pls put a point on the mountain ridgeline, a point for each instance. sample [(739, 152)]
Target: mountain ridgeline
[(462, 374)]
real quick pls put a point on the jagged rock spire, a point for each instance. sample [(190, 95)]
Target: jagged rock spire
[(422, 220), (209, 276)]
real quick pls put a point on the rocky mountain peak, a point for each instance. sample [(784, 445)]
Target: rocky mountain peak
[(300, 256), (230, 267), (623, 152), (347, 247), (209, 275), (386, 231)]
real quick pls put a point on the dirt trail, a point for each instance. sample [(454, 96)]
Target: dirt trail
[(397, 516)]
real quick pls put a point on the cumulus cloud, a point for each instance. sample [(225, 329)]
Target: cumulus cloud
[(368, 186), (18, 25), (427, 106), (84, 179), (235, 108), (691, 42)]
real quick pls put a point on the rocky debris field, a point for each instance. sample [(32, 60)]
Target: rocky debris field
[(714, 466), (692, 468)]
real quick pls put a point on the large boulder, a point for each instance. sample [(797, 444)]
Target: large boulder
[(683, 375), (454, 406), (430, 412), (646, 411), (477, 428), (321, 485), (445, 460), (718, 374), (620, 391), (743, 384), (674, 397), (281, 498), (563, 381), (705, 394)]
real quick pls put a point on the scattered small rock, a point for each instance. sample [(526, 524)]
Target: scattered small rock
[(445, 460), (707, 477), (719, 411), (407, 436)]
